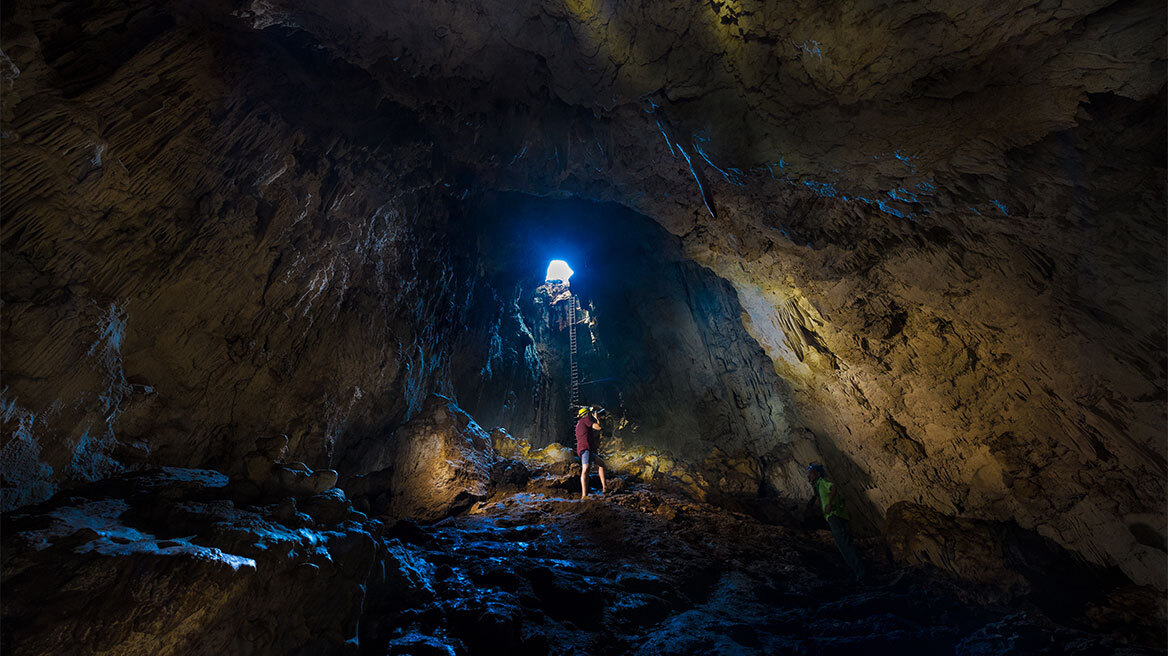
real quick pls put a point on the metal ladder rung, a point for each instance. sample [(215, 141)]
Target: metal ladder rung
[(572, 341)]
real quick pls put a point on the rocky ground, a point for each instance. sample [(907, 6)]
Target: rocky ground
[(188, 561), (649, 574)]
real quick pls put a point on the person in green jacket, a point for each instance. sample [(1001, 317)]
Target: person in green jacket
[(832, 502)]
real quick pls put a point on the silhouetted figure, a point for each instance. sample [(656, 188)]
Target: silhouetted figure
[(588, 448), (832, 502)]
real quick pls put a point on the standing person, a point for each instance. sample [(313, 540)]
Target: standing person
[(832, 502), (588, 448)]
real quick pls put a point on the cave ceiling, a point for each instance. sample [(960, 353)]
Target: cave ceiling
[(900, 107)]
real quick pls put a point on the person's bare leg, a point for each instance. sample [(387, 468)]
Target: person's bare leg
[(583, 481), (603, 485)]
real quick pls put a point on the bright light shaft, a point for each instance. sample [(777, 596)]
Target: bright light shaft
[(559, 270)]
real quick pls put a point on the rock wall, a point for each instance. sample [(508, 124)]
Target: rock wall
[(435, 465), (979, 365), (198, 252)]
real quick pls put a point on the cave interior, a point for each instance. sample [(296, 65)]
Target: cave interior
[(285, 370)]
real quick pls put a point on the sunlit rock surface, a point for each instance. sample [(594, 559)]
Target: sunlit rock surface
[(727, 482)]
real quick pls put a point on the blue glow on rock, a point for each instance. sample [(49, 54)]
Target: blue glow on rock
[(903, 195), (559, 270)]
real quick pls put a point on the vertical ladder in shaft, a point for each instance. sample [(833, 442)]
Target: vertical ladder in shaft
[(572, 351)]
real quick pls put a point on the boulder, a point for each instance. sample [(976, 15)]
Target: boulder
[(415, 644), (508, 446), (329, 507), (509, 473), (266, 475), (286, 509), (302, 481), (323, 479), (441, 463), (293, 482), (274, 448), (258, 468)]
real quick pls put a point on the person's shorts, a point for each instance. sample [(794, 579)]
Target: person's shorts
[(586, 458)]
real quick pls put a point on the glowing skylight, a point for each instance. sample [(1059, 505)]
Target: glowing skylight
[(559, 270)]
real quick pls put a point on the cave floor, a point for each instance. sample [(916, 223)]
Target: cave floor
[(176, 561), (644, 572)]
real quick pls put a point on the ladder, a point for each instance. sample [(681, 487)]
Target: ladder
[(572, 351)]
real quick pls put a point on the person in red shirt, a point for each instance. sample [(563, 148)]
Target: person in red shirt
[(588, 448)]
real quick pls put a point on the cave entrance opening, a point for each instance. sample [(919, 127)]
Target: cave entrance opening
[(559, 271), (659, 339), (564, 311)]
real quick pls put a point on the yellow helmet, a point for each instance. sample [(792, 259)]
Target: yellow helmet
[(583, 411)]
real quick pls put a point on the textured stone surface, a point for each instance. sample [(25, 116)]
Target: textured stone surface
[(728, 482), (1004, 559), (944, 225), (188, 263), (167, 562), (646, 572), (660, 346), (437, 464)]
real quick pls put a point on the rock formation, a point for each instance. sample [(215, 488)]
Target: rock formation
[(168, 562), (528, 571), (435, 465), (219, 278), (921, 244)]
